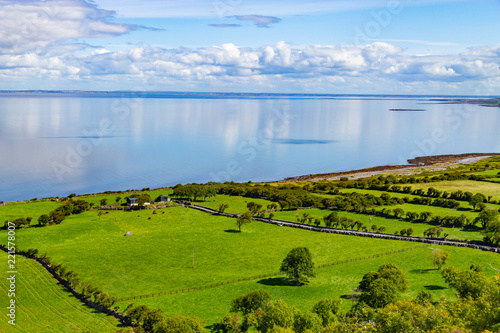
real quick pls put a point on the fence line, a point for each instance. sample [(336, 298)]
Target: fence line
[(349, 232), (214, 285)]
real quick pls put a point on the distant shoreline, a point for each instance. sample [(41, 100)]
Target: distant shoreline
[(415, 163), (207, 94)]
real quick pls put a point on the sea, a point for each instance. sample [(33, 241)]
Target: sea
[(53, 144)]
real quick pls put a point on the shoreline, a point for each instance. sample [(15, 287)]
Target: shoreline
[(435, 162)]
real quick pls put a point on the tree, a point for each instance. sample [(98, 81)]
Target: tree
[(492, 233), (277, 313), (468, 283), (138, 313), (152, 318), (250, 302), (392, 273), (486, 216), (398, 212), (475, 199), (409, 232), (331, 219), (100, 213), (439, 258), (229, 324), (180, 324), (244, 218), (298, 265), (328, 310), (117, 200), (254, 207), (104, 202), (307, 322), (380, 293), (424, 216), (223, 207), (43, 220), (142, 199), (424, 296)]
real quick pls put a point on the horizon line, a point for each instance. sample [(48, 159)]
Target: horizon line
[(213, 93)]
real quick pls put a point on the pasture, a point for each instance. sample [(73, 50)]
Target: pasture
[(44, 306)]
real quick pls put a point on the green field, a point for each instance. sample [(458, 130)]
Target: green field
[(391, 225), (43, 305), (236, 204), (12, 211), (158, 258), (331, 282), (472, 186)]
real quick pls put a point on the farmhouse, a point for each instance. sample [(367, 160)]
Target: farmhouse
[(131, 202), (162, 198)]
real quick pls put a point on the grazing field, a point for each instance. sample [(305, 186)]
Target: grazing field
[(463, 204), (178, 248), (15, 210), (236, 204), (485, 188), (159, 254), (111, 198), (44, 306), (158, 258), (391, 225), (331, 282)]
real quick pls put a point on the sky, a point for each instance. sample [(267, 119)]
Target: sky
[(443, 47)]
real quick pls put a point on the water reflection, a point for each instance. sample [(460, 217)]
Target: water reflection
[(167, 141)]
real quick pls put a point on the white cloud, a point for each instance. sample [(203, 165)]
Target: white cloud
[(267, 67), (32, 25)]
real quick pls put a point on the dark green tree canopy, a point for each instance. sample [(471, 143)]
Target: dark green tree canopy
[(250, 302), (380, 293), (298, 265)]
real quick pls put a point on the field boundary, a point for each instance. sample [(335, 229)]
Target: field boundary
[(347, 232), (214, 285), (121, 318)]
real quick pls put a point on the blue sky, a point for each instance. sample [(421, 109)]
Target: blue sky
[(356, 46)]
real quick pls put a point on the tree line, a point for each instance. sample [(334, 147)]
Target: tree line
[(69, 207)]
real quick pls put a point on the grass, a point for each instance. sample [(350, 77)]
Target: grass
[(12, 211), (158, 258), (486, 188), (111, 198), (331, 282), (236, 204), (45, 306), (390, 224), (115, 263)]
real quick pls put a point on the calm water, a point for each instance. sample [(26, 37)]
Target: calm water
[(54, 146)]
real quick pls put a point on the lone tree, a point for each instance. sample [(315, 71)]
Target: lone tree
[(298, 265), (244, 218), (439, 258)]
